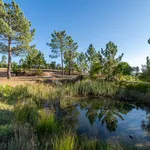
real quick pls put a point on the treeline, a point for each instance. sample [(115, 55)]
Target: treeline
[(16, 35)]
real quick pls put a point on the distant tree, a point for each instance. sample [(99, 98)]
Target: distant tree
[(53, 65), (124, 68), (58, 46), (35, 59), (136, 70), (110, 62), (81, 61), (58, 66), (14, 30), (90, 54), (70, 54), (97, 65), (4, 61), (146, 70)]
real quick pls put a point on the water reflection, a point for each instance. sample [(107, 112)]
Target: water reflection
[(105, 118), (145, 123), (106, 111)]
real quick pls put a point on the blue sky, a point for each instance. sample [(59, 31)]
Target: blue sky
[(125, 22)]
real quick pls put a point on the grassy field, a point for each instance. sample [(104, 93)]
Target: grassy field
[(26, 123)]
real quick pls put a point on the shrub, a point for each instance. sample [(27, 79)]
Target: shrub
[(39, 72)]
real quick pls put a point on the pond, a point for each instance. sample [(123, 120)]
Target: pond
[(109, 118)]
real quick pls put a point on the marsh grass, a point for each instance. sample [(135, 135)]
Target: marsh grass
[(24, 138), (91, 87), (67, 141), (137, 92), (26, 111), (47, 123), (25, 114)]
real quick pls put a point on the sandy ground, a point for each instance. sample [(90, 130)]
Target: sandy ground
[(17, 80)]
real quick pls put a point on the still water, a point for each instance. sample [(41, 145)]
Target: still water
[(108, 118)]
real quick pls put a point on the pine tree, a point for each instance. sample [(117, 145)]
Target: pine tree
[(35, 59), (81, 61), (70, 53), (91, 55), (15, 32), (110, 62), (58, 46)]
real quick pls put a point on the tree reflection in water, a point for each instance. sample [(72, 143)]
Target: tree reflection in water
[(107, 111), (145, 123)]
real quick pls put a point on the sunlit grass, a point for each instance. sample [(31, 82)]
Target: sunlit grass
[(65, 142), (5, 106), (91, 87), (47, 123)]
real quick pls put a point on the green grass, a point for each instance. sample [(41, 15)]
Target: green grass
[(25, 114), (91, 88), (137, 92), (65, 142), (47, 124), (28, 111)]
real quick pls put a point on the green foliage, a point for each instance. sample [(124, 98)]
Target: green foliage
[(5, 91), (39, 72), (129, 78), (95, 70), (81, 61), (110, 63), (64, 142), (3, 62), (124, 68), (91, 55), (15, 29), (91, 87), (58, 46), (26, 114), (70, 54), (53, 65), (24, 138), (35, 59), (47, 123), (145, 76)]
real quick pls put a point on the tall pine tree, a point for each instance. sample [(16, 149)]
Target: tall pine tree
[(58, 46), (15, 32), (70, 54)]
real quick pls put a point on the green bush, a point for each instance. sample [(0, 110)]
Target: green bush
[(5, 91), (39, 72)]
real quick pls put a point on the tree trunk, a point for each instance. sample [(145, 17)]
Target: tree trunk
[(9, 59), (62, 63)]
